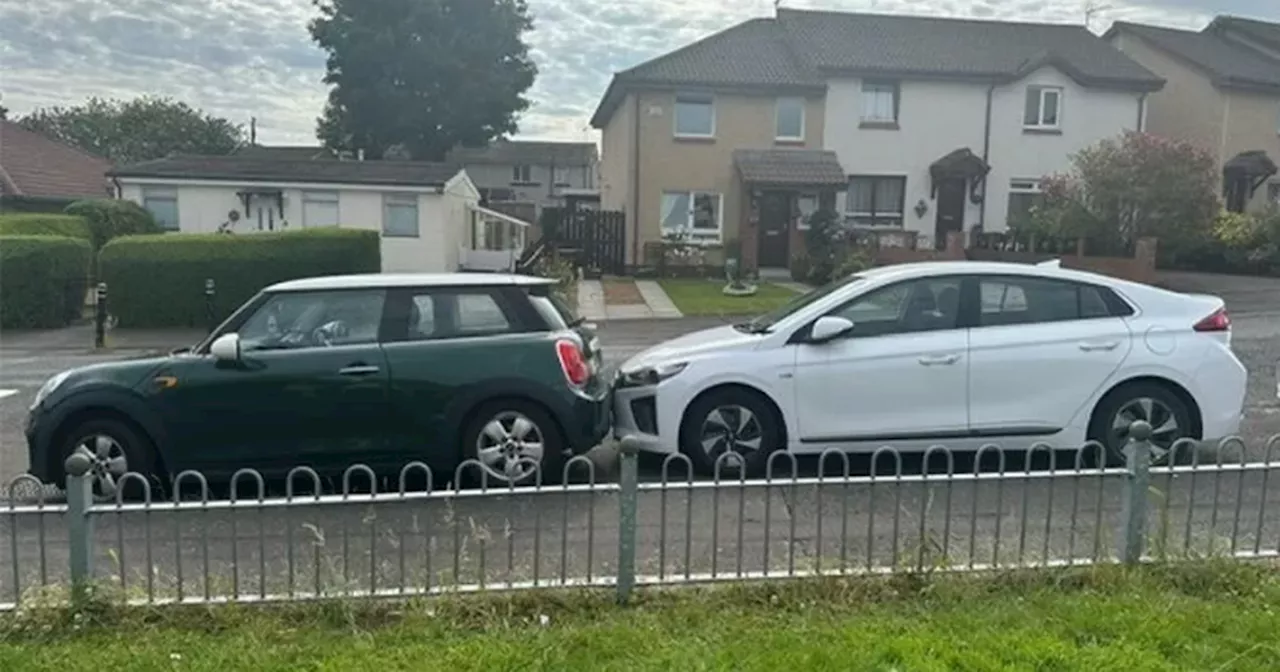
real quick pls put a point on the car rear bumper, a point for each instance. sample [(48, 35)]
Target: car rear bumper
[(587, 421), (39, 435)]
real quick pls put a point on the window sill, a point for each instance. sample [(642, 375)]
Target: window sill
[(879, 125), (1037, 130), (696, 139), (399, 235), (526, 184), (789, 142)]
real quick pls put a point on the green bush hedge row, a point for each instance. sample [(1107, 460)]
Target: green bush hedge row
[(158, 281), (68, 226), (43, 280), (108, 219)]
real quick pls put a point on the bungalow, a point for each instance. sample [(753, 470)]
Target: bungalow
[(428, 214)]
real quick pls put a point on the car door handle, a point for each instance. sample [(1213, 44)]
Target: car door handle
[(939, 360), (1091, 346), (358, 370)]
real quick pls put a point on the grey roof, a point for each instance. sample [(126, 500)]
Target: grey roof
[(1265, 33), (297, 152), (528, 152), (799, 48), (1228, 64), (240, 169), (799, 167)]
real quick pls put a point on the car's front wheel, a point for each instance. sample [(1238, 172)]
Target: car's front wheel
[(114, 448), (511, 442), (729, 430), (1155, 404)]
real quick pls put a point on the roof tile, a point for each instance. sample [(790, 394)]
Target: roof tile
[(32, 164), (800, 167), (237, 168), (1225, 61)]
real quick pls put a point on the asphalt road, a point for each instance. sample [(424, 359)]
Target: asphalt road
[(497, 538)]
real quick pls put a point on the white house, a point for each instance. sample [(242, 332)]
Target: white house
[(428, 214)]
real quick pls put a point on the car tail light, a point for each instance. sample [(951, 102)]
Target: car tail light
[(573, 362), (1218, 321)]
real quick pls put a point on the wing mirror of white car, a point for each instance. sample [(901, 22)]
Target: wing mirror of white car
[(829, 328), (226, 348)]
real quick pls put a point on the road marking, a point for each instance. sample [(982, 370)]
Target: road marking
[(7, 393)]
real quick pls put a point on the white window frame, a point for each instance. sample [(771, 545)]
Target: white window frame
[(150, 194), (522, 173), (692, 99), (803, 223), (894, 96), (320, 198), (401, 200), (1020, 185), (1042, 92), (900, 215), (777, 119), (696, 236)]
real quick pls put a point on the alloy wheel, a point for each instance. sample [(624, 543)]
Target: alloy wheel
[(1165, 429), (731, 429), (510, 447), (107, 462)]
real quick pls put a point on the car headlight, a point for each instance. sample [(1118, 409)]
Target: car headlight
[(48, 387), (651, 375)]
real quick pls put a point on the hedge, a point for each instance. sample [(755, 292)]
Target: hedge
[(43, 280), (68, 226), (108, 219), (158, 280)]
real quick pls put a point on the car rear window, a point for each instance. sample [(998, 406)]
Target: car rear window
[(552, 308)]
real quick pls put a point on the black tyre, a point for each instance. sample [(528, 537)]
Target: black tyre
[(733, 428), (115, 448), (512, 440), (1156, 404)]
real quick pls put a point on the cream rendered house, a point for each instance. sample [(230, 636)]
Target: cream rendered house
[(927, 126), (1222, 93)]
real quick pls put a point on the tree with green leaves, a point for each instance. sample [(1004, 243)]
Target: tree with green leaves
[(128, 131), (419, 77)]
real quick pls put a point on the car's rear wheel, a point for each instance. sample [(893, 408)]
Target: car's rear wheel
[(511, 442), (114, 448), (1155, 404), (731, 430)]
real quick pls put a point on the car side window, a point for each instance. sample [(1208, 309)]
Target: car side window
[(1010, 301), (444, 313), (296, 320), (929, 304)]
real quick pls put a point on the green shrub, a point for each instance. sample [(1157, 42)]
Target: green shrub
[(109, 218), (158, 281), (43, 280), (68, 226)]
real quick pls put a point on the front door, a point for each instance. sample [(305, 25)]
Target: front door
[(950, 215), (902, 375), (775, 223), (310, 389)]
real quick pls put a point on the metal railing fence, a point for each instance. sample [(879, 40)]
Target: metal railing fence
[(833, 514)]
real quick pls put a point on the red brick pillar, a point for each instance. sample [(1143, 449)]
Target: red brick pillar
[(955, 245), (1144, 260)]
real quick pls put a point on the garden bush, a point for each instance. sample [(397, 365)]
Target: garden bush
[(108, 219), (43, 280), (158, 280), (32, 224)]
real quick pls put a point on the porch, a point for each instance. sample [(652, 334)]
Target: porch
[(495, 241), (781, 189)]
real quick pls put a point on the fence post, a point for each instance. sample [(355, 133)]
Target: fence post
[(79, 524), (100, 316), (628, 494), (1138, 463), (209, 291)]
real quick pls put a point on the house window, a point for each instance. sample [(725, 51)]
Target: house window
[(788, 123), (522, 174), (162, 203), (560, 176), (875, 200), (400, 215), (319, 208), (807, 204), (1044, 107), (879, 102), (695, 214), (1024, 194), (695, 116)]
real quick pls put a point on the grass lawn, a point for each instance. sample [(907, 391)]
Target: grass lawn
[(703, 297), (1202, 617)]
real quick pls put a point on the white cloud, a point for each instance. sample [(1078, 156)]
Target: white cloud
[(253, 58)]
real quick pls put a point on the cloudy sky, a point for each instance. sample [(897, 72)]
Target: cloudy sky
[(243, 58)]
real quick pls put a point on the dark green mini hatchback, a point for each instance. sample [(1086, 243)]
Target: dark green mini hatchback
[(382, 370)]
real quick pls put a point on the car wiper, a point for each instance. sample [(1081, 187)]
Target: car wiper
[(751, 328)]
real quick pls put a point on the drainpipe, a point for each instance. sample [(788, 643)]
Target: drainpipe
[(986, 158), (635, 180), (1142, 113)]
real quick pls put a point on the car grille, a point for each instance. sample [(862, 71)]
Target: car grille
[(645, 412)]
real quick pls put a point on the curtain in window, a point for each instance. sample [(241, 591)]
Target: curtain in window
[(675, 211)]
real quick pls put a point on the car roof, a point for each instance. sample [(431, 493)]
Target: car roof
[(927, 268), (390, 280)]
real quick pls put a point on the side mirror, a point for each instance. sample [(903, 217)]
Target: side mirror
[(829, 328), (226, 348)]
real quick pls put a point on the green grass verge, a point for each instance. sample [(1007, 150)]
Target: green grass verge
[(1191, 617), (704, 297)]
